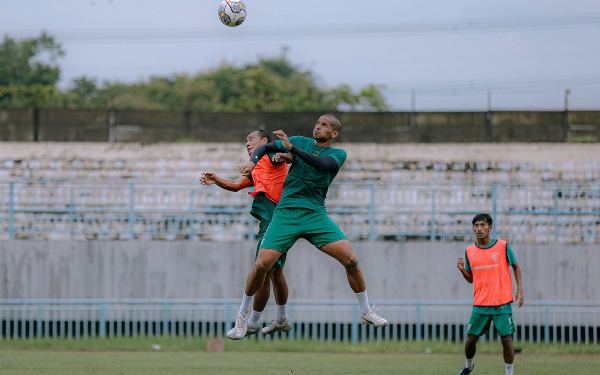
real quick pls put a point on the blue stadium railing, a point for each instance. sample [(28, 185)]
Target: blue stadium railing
[(552, 322), (117, 210)]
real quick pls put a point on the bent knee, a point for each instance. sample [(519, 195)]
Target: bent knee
[(261, 266), (351, 262)]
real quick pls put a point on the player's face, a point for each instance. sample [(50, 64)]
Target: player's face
[(253, 140), (323, 130), (482, 229)]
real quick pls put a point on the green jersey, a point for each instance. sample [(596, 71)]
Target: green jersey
[(304, 186), (493, 310)]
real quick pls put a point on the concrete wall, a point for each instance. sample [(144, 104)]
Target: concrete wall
[(393, 270), (19, 125)]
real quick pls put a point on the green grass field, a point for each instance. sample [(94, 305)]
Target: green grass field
[(189, 356)]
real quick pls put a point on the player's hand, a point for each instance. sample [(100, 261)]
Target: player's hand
[(461, 264), (519, 298), (246, 168), (284, 138), (208, 178), (283, 157)]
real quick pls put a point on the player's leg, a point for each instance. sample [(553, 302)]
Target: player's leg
[(342, 251), (478, 324), (509, 353), (325, 235), (505, 327), (280, 290), (260, 302), (280, 235)]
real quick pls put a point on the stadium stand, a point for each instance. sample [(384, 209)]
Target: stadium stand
[(539, 192)]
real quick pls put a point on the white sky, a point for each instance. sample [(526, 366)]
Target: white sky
[(548, 60)]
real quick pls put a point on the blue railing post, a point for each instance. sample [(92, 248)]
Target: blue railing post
[(556, 216), (418, 311), (372, 214), (494, 211), (432, 234), (191, 214), (227, 316), (71, 214), (165, 319), (102, 328), (355, 324), (11, 211), (546, 326), (131, 209), (39, 321)]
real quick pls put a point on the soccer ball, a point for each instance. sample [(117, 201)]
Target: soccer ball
[(232, 12)]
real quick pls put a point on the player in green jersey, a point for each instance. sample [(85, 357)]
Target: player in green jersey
[(301, 213)]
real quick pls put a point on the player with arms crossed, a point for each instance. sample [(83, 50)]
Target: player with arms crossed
[(267, 179), (487, 266), (301, 214)]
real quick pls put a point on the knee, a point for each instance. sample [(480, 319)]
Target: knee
[(350, 262), (506, 340), (260, 266), (471, 340)]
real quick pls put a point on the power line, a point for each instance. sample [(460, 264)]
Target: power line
[(510, 85), (307, 32)]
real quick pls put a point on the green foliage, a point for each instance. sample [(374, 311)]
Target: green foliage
[(20, 63), (270, 85)]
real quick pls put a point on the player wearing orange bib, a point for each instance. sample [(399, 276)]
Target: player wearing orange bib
[(267, 179), (487, 266)]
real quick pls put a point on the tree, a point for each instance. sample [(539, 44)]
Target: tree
[(21, 61), (271, 85)]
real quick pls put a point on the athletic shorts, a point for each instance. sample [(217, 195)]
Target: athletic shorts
[(480, 324), (263, 225), (290, 224)]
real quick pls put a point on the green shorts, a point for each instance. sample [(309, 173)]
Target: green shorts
[(479, 324), (263, 225), (290, 224)]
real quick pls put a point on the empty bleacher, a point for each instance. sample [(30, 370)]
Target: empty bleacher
[(538, 192)]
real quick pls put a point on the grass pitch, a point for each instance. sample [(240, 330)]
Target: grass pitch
[(189, 356)]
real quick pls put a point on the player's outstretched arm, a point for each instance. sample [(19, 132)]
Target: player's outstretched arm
[(519, 295), (209, 178), (461, 267)]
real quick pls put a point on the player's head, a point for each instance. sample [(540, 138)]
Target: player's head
[(256, 138), (482, 225), (327, 128)]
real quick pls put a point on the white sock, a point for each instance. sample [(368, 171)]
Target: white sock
[(254, 319), (363, 301), (469, 363), (509, 368), (281, 314), (246, 304)]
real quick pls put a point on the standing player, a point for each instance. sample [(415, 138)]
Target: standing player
[(487, 266), (301, 214), (267, 178)]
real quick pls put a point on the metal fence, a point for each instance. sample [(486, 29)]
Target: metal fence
[(537, 321), (95, 210)]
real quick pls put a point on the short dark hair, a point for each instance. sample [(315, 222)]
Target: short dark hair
[(337, 124), (483, 217), (262, 134)]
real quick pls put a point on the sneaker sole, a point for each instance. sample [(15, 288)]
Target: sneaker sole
[(365, 321)]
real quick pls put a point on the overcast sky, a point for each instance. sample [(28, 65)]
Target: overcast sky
[(131, 40)]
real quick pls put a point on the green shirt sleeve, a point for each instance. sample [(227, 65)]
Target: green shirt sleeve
[(340, 157), (467, 264), (510, 256)]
